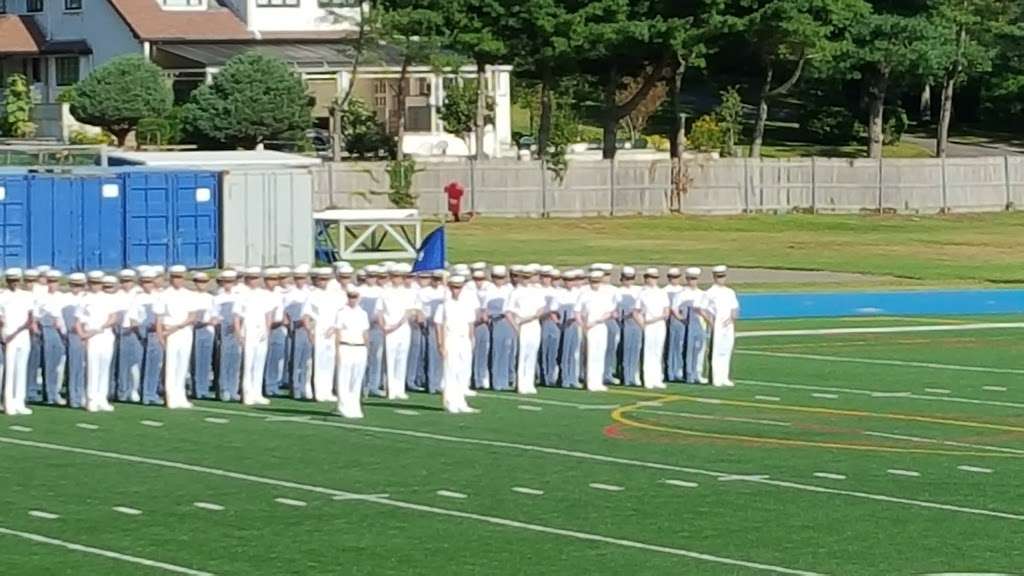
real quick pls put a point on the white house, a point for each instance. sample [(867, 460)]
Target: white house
[(57, 42)]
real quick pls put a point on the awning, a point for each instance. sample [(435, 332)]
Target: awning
[(297, 54)]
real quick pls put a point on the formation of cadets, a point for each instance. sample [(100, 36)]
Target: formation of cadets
[(337, 335)]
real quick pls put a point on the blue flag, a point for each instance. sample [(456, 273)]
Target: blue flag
[(431, 255)]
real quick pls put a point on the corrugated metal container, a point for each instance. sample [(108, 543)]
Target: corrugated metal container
[(267, 217), (13, 220), (76, 222), (171, 218)]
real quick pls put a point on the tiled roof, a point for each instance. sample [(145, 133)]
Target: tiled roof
[(19, 35), (150, 22)]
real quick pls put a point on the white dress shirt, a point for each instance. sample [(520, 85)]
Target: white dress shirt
[(16, 306), (652, 301), (396, 303), (527, 301), (49, 310), (721, 302), (322, 307), (594, 304), (457, 317), (175, 305), (95, 310), (352, 323), (253, 307)]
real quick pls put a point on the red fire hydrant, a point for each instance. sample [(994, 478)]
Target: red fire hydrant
[(454, 192)]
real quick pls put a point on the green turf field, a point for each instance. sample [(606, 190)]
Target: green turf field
[(858, 453)]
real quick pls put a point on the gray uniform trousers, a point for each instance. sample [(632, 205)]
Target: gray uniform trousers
[(550, 342), (674, 350), (415, 373), (54, 354), (75, 367), (434, 363), (481, 355), (696, 339), (571, 340), (632, 338), (373, 379), (503, 353)]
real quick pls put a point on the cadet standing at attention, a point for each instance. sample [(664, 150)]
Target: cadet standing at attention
[(129, 344), (96, 320), (550, 329), (398, 304), (176, 319), (75, 366), (691, 303), (49, 314), (503, 334), (254, 316), (319, 317), (16, 310), (351, 329), (301, 345), (455, 320), (146, 309), (526, 305), (631, 333), (203, 338), (229, 353), (572, 334), (370, 301), (277, 340), (725, 310), (35, 278), (652, 311), (477, 292), (596, 305)]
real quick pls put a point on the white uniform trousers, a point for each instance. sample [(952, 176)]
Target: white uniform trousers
[(177, 362), (254, 364), (529, 346), (99, 358), (722, 341), (654, 355), (325, 354), (396, 352), (597, 342), (16, 372), (351, 369), (458, 370)]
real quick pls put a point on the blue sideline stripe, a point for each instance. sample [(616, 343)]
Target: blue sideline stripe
[(834, 304)]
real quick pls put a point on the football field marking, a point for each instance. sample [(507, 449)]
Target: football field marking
[(451, 494), (938, 390), (151, 423), (606, 487), (528, 491), (768, 398), (406, 412), (710, 417), (495, 520), (898, 472), (870, 392), (17, 428), (825, 395), (529, 408), (830, 476), (946, 442), (627, 462), (216, 420), (883, 329), (977, 469), (680, 483), (290, 502), (127, 510), (994, 388), (882, 362), (43, 515), (39, 538), (85, 426), (208, 506)]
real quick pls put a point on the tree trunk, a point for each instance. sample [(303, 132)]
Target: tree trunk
[(762, 112), (546, 110), (610, 118), (878, 84), (481, 108), (677, 139), (925, 105), (336, 137), (948, 86), (401, 97)]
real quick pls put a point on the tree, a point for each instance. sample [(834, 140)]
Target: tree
[(17, 112), (361, 132), (897, 42), (117, 95), (459, 110), (730, 117), (253, 99), (789, 34)]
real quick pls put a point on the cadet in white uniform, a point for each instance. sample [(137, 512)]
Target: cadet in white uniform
[(319, 316), (397, 306), (49, 315), (16, 308), (691, 303), (229, 354), (595, 306), (524, 308), (96, 319), (204, 336), (725, 310), (454, 320), (254, 315), (352, 327), (176, 319), (652, 311)]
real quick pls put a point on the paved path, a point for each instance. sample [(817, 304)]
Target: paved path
[(962, 150)]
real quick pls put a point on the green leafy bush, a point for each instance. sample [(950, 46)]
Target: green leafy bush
[(895, 125), (117, 95), (164, 131), (80, 138), (706, 135), (17, 108), (362, 134), (832, 125)]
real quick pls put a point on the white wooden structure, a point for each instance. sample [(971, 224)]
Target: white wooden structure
[(368, 234)]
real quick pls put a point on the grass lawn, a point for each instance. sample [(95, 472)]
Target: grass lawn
[(980, 250), (798, 150), (854, 454)]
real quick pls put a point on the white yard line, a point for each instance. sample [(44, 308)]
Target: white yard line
[(495, 520), (208, 506), (624, 461), (680, 483), (768, 398), (606, 487), (994, 388), (882, 362), (127, 510), (944, 442), (529, 408), (824, 395), (870, 392), (290, 502), (528, 491), (151, 423), (451, 494), (405, 412), (43, 515), (938, 391), (216, 420), (710, 417), (85, 426), (898, 472), (891, 394), (977, 469), (20, 428), (883, 329), (578, 405), (744, 477), (830, 476), (39, 538)]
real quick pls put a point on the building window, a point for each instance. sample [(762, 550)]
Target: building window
[(67, 70), (3, 6), (278, 3), (339, 3), (72, 5), (181, 3), (33, 6)]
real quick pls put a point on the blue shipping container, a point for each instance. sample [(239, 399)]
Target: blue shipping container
[(13, 220), (76, 222), (172, 218)]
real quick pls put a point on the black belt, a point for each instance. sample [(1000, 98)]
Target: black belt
[(349, 344)]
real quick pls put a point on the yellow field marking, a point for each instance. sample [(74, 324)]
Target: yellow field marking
[(619, 415)]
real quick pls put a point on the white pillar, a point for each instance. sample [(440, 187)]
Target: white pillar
[(51, 79), (502, 94), (436, 103)]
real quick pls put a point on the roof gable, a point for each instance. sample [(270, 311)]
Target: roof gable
[(148, 21)]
